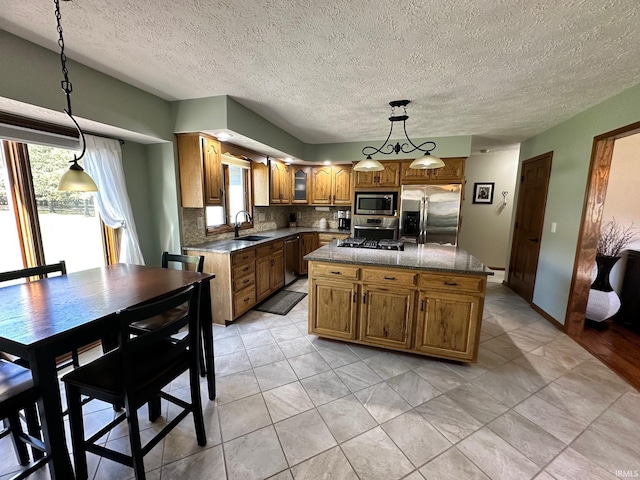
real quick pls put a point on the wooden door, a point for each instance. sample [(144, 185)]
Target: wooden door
[(452, 172), (263, 277), (532, 199), (411, 176), (333, 308), (390, 176), (321, 185), (212, 172), (308, 243), (447, 324), (342, 185), (300, 185), (386, 316), (279, 183), (276, 274), (365, 179)]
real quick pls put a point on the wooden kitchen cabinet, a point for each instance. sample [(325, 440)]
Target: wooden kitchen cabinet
[(200, 166), (331, 185), (447, 326), (389, 177), (452, 172), (386, 315), (333, 309), (300, 179), (308, 243), (430, 313), (269, 269), (279, 182), (326, 238)]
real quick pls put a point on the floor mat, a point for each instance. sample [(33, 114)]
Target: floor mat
[(281, 303)]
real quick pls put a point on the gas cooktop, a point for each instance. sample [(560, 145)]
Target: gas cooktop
[(382, 244)]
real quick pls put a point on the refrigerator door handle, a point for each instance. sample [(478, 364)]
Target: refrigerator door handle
[(422, 237)]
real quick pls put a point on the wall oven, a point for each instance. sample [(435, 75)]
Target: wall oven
[(375, 228), (376, 203)]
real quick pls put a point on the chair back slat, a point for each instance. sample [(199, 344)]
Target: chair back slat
[(134, 348), (41, 271), (197, 260)]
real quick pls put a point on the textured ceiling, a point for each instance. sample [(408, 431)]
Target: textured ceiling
[(325, 70)]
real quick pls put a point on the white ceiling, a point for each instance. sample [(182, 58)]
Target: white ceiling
[(325, 70)]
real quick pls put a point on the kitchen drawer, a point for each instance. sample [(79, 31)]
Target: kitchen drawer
[(244, 282), (244, 300), (244, 270), (452, 283), (266, 250), (244, 256), (335, 271), (388, 277)]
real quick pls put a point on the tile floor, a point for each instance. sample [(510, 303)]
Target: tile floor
[(292, 406)]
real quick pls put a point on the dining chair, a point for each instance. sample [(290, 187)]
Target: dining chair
[(17, 392), (134, 374), (157, 322), (41, 272)]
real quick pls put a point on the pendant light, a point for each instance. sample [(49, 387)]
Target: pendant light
[(426, 161), (75, 179)]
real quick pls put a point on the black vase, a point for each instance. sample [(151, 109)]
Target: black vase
[(605, 264)]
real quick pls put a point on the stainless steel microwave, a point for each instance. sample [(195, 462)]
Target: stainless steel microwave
[(375, 203)]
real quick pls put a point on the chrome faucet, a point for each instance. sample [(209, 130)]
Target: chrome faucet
[(236, 229)]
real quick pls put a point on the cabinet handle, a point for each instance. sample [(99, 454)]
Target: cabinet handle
[(335, 273), (354, 297), (364, 298), (450, 283), (422, 306), (389, 278), (246, 299), (221, 192), (246, 280)]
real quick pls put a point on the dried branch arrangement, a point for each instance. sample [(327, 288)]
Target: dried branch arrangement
[(614, 238)]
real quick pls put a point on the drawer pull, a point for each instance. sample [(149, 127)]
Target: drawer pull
[(246, 299), (354, 297), (450, 283), (335, 273), (364, 298), (389, 278), (246, 280)]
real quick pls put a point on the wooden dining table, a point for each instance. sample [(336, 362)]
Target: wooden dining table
[(44, 319)]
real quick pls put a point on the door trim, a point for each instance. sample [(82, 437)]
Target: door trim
[(596, 191), (544, 156)]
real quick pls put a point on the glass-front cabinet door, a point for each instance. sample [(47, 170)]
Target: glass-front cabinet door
[(300, 185)]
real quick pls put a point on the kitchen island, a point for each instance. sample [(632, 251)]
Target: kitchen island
[(427, 299)]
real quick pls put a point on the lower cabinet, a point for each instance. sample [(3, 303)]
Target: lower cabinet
[(308, 243), (269, 269), (386, 316), (446, 324), (427, 313)]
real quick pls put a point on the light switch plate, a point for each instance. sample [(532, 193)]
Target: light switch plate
[(554, 226), (200, 222)]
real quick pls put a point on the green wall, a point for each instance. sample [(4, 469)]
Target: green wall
[(571, 143)]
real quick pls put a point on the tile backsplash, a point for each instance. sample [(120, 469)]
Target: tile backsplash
[(264, 218)]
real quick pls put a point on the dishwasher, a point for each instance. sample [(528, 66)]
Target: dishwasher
[(291, 259)]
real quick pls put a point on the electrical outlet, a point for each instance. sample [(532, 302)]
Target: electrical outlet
[(335, 215), (261, 217), (200, 222)]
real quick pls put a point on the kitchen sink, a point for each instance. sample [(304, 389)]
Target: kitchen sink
[(252, 238)]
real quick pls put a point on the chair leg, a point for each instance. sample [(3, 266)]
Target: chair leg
[(134, 440), (155, 408), (33, 427), (196, 404), (19, 446), (76, 424)]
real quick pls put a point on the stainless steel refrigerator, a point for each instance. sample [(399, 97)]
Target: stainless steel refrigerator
[(430, 213)]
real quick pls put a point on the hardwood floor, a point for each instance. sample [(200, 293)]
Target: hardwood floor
[(618, 347)]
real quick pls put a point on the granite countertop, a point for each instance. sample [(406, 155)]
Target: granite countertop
[(231, 245), (416, 257)]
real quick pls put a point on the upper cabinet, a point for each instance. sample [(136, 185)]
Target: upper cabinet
[(389, 177), (201, 182), (331, 185), (452, 172), (279, 182), (300, 177)]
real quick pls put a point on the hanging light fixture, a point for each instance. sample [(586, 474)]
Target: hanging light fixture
[(75, 179), (426, 161)]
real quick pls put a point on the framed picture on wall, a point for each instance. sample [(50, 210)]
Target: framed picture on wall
[(483, 192)]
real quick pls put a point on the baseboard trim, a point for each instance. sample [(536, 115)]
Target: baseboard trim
[(548, 317)]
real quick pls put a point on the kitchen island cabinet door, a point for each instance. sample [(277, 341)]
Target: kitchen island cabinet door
[(386, 316), (448, 325), (332, 308)]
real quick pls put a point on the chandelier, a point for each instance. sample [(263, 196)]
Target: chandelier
[(75, 179), (387, 148)]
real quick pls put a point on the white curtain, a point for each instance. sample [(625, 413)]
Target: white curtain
[(103, 161)]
